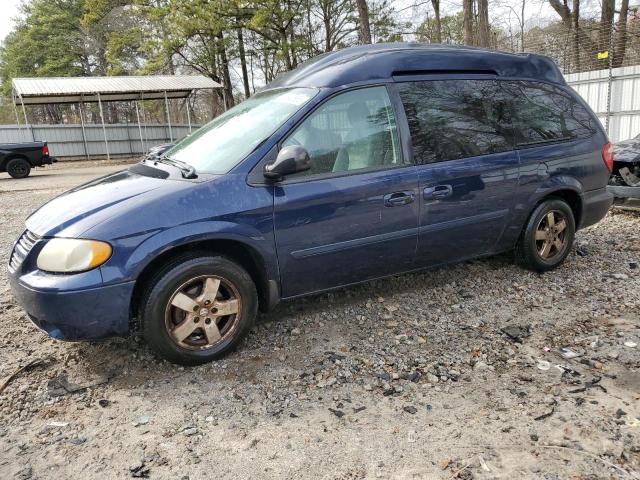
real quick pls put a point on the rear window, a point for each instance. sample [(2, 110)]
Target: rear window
[(456, 119), (544, 113)]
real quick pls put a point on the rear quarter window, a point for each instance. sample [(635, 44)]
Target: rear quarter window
[(544, 113)]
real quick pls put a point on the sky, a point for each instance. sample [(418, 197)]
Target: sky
[(9, 10)]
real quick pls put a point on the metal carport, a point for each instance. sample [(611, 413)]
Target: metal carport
[(81, 90)]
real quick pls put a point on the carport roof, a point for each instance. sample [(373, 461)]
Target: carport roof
[(38, 91)]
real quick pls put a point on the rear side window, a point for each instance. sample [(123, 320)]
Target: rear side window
[(544, 113), (452, 119)]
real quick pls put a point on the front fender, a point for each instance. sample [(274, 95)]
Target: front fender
[(157, 243)]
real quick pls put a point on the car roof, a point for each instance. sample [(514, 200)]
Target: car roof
[(390, 60)]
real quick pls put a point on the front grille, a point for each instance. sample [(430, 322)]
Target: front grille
[(22, 248)]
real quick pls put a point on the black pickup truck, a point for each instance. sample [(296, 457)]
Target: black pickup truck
[(17, 159)]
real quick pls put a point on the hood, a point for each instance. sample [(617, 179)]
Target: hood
[(77, 210), (627, 150)]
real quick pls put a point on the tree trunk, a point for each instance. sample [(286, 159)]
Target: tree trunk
[(365, 26), (484, 32), (292, 43), (606, 22), (286, 49), (436, 10), (243, 64), (226, 77), (620, 39), (522, 27), (325, 7), (575, 25), (467, 12), (327, 34)]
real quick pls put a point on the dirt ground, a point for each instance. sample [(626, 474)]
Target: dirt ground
[(453, 373)]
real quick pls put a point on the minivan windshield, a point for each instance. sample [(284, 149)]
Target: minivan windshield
[(221, 144)]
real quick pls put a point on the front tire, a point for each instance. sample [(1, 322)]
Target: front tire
[(18, 168), (197, 309), (547, 237)]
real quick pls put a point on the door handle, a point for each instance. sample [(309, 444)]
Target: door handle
[(396, 199), (437, 192)]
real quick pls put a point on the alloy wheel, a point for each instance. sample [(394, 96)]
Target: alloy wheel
[(551, 235), (203, 312)]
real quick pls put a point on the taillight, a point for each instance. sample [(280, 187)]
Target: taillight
[(45, 151), (607, 156)]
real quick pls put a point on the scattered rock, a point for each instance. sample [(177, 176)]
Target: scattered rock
[(620, 276), (139, 470), (582, 251), (480, 365), (25, 474), (569, 354), (516, 332), (60, 385), (142, 420)]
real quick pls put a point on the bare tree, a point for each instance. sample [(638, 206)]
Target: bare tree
[(436, 11), (584, 41), (467, 11), (227, 88), (365, 25), (484, 31), (606, 24), (621, 34), (243, 64), (337, 19), (575, 24)]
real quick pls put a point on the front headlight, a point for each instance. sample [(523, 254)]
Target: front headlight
[(70, 255)]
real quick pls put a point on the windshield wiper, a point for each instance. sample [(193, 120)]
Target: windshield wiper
[(187, 170)]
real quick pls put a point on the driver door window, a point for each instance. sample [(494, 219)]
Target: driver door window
[(352, 131)]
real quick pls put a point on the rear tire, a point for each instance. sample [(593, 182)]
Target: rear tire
[(197, 309), (547, 237), (18, 168)]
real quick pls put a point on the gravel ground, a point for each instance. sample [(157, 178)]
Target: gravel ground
[(453, 373)]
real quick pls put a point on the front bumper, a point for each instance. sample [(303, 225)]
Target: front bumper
[(85, 314)]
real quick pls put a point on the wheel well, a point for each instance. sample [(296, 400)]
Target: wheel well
[(244, 255), (573, 200), (7, 159)]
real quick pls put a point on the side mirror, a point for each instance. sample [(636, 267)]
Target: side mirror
[(291, 159)]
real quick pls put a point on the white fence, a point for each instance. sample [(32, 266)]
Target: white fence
[(66, 141), (624, 115)]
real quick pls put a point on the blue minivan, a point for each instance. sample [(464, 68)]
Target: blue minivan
[(359, 164)]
